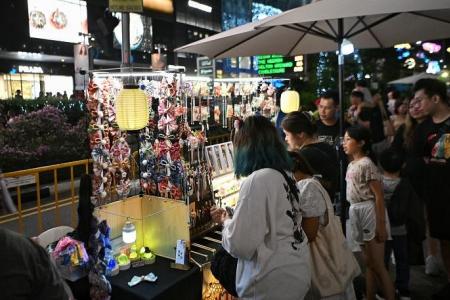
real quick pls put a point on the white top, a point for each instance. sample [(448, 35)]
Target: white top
[(260, 235), (312, 201), (359, 174)]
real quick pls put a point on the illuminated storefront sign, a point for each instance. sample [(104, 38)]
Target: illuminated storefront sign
[(31, 69), (278, 64)]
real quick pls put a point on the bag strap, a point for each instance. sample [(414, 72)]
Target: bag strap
[(324, 196)]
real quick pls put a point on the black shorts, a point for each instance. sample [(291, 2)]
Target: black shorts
[(438, 213)]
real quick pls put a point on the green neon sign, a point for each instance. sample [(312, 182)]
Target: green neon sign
[(272, 71), (273, 64)]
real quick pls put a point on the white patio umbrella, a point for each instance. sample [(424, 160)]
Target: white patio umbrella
[(324, 25), (413, 78), (315, 27)]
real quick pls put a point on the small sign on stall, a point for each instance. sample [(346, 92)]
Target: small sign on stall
[(125, 5)]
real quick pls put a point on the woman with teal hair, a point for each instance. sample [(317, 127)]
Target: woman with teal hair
[(265, 233)]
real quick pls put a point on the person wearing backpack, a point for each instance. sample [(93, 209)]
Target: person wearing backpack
[(405, 211)]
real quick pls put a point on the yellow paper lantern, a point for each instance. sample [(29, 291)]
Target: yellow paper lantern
[(131, 109), (290, 101)]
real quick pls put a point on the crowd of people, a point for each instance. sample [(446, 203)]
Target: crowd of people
[(47, 96), (284, 232), (397, 159)]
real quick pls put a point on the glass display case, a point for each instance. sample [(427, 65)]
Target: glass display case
[(224, 183)]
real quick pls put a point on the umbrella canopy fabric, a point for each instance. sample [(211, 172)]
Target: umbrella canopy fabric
[(214, 44), (315, 27), (412, 79)]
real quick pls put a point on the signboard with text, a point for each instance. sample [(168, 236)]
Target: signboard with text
[(278, 64), (205, 66), (125, 5)]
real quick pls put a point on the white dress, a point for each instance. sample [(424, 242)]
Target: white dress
[(260, 235)]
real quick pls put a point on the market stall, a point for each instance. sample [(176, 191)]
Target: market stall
[(156, 195)]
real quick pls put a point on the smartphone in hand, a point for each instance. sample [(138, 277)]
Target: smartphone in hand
[(230, 211)]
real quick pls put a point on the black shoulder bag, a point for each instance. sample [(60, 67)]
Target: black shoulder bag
[(223, 265)]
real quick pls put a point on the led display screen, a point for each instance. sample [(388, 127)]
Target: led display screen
[(57, 20)]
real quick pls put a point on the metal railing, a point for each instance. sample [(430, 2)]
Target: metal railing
[(39, 208), (53, 180)]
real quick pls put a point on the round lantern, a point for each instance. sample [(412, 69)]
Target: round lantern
[(131, 109), (290, 101)]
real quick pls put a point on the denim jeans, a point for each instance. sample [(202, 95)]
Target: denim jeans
[(398, 244)]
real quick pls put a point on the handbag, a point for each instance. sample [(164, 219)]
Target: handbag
[(223, 265), (333, 263)]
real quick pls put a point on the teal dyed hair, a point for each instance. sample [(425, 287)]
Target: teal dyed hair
[(257, 145)]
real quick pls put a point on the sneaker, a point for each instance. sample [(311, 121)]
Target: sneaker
[(378, 296), (443, 294), (432, 266)]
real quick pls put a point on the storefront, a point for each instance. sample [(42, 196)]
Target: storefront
[(32, 78)]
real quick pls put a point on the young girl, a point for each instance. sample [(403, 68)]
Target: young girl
[(315, 205), (368, 217)]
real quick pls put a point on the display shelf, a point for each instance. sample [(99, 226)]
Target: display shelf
[(224, 183)]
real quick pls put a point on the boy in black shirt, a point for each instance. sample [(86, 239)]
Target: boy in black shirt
[(432, 143), (406, 217)]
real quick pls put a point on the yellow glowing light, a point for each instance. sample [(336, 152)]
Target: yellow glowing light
[(131, 109), (444, 74), (290, 101), (403, 46), (448, 49)]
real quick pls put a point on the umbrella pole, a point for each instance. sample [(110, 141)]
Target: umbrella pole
[(342, 198)]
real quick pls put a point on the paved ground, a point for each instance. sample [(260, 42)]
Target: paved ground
[(424, 286)]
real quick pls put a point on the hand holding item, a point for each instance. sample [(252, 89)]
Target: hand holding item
[(218, 215)]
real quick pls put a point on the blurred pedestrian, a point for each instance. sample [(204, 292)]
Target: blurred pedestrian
[(432, 143), (18, 95), (406, 218)]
